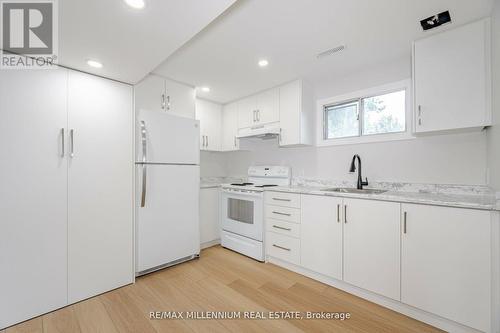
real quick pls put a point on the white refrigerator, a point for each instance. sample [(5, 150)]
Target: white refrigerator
[(168, 185)]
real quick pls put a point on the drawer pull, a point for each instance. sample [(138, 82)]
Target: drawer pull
[(281, 247), (282, 228), (279, 213), (279, 199)]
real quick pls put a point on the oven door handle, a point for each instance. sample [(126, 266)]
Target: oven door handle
[(237, 193)]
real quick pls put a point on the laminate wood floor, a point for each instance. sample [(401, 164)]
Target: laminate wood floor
[(221, 280)]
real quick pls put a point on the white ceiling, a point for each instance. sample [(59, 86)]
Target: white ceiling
[(290, 33), (129, 42)]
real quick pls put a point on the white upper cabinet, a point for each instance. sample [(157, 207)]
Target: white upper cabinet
[(452, 79), (268, 106), (446, 263), (159, 94), (321, 234), (230, 127), (259, 109), (372, 246), (179, 99), (296, 114), (210, 116)]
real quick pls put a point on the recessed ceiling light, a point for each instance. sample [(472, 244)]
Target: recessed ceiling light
[(263, 63), (94, 63), (205, 89), (137, 4)]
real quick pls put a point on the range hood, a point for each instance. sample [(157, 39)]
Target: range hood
[(264, 132)]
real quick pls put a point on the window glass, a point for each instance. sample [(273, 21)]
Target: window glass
[(384, 113), (342, 120)]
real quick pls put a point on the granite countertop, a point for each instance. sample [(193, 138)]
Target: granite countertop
[(474, 201)]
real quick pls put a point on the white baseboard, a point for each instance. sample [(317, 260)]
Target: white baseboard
[(209, 244), (426, 317)]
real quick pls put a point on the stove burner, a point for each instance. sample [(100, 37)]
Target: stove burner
[(265, 185), (242, 184)]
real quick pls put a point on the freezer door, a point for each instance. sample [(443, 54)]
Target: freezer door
[(166, 138), (168, 224)]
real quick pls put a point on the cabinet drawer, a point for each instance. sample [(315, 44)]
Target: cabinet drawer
[(283, 199), (283, 247), (282, 227), (283, 213)]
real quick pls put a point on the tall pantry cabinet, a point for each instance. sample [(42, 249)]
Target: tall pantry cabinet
[(66, 199)]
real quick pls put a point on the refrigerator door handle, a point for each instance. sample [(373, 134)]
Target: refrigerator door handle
[(144, 141), (144, 186)]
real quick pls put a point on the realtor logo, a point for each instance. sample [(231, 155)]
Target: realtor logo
[(29, 33)]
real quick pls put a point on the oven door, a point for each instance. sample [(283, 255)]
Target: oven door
[(242, 213)]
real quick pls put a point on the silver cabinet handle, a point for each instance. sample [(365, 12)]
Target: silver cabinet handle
[(404, 222), (168, 103), (163, 101), (282, 228), (203, 142), (144, 186), (281, 247), (420, 115), (144, 141), (258, 115), (207, 140), (279, 199), (345, 213), (280, 135), (72, 143), (62, 143), (279, 213), (338, 213)]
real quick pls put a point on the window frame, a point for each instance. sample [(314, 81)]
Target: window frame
[(358, 96)]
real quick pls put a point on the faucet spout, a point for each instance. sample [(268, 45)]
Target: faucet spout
[(360, 183)]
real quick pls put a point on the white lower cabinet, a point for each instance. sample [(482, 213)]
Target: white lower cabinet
[(372, 246), (209, 215), (321, 235), (446, 263), (283, 247)]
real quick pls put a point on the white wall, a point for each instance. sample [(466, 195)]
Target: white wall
[(494, 132), (444, 159)]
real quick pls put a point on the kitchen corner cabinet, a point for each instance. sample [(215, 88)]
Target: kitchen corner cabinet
[(259, 109), (230, 127), (321, 234), (452, 79), (296, 114), (372, 246), (159, 94), (446, 263), (209, 114), (67, 206), (209, 215)]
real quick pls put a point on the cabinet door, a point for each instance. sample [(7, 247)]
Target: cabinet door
[(230, 127), (290, 108), (321, 235), (209, 215), (33, 194), (372, 246), (268, 106), (444, 99), (179, 99), (446, 256), (101, 202), (150, 94), (247, 108), (209, 114)]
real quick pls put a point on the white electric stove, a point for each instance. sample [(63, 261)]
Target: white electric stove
[(242, 209)]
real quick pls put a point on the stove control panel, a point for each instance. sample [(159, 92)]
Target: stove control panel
[(269, 171)]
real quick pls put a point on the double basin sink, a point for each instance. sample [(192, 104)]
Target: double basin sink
[(354, 190)]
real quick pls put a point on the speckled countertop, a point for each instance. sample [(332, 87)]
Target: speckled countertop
[(482, 201)]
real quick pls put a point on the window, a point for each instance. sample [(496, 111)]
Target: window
[(379, 114)]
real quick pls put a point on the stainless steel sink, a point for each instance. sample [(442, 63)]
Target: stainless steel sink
[(354, 190)]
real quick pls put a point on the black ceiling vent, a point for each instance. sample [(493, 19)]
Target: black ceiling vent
[(436, 20)]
